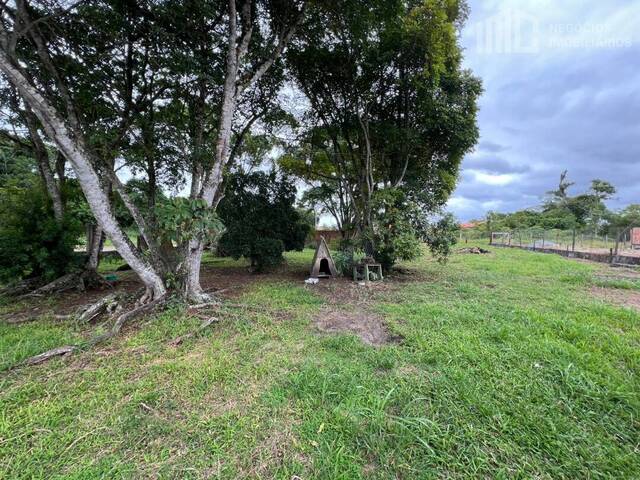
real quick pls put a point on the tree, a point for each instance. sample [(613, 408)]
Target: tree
[(564, 185), (94, 90), (626, 218), (391, 107), (563, 211), (36, 242), (560, 210), (260, 219), (327, 198)]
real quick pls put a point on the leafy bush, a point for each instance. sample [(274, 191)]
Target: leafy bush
[(346, 259), (398, 226), (32, 242), (260, 219), (182, 219), (441, 236)]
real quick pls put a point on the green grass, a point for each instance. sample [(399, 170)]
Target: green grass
[(508, 368)]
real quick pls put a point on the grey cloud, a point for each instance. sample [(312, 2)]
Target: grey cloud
[(495, 165), (487, 146), (558, 109)]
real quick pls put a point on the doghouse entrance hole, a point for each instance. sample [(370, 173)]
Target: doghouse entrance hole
[(324, 267)]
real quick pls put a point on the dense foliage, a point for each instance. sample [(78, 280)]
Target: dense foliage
[(179, 94), (33, 243), (392, 115), (260, 219)]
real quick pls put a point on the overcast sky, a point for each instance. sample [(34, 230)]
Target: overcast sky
[(562, 91)]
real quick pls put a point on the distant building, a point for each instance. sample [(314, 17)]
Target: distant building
[(470, 225), (329, 235)]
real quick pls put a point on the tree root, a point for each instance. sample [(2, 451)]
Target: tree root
[(82, 281), (48, 355), (124, 318), (108, 304), (206, 324), (20, 288), (200, 306), (89, 314)]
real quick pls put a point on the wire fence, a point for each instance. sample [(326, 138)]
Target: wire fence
[(623, 242)]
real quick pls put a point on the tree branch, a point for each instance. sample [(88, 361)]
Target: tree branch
[(283, 40)]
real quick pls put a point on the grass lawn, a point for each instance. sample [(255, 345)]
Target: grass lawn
[(501, 366)]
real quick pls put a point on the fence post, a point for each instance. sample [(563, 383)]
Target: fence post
[(573, 241)]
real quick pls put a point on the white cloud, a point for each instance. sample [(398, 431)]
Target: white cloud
[(498, 180)]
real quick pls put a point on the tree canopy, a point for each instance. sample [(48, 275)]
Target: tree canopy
[(391, 106), (177, 93), (560, 210)]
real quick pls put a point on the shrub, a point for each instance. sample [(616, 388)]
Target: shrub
[(32, 242), (441, 236), (397, 228), (260, 219), (346, 259)]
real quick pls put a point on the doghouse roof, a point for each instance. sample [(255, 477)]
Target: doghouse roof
[(322, 252)]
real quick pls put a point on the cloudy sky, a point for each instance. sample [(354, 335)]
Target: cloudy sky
[(562, 91)]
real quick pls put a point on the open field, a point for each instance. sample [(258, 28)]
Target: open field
[(507, 365)]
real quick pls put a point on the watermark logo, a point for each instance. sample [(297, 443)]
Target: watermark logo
[(510, 31), (518, 32)]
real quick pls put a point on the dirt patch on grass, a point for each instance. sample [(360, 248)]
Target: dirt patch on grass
[(621, 297), (472, 251), (366, 325)]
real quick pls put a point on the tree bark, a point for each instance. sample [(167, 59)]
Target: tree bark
[(95, 248), (233, 87)]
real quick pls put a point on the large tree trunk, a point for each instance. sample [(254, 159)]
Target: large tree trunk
[(94, 248), (193, 263), (72, 147), (213, 178), (237, 48)]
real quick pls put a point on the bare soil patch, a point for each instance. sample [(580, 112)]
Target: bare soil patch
[(621, 297), (366, 325), (473, 251), (229, 282), (611, 273)]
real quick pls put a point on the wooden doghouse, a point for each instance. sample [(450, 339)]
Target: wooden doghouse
[(323, 265)]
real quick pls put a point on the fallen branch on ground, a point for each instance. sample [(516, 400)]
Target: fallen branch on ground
[(177, 341), (115, 330)]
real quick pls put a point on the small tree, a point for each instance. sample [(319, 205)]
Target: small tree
[(261, 219), (441, 236), (33, 242)]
